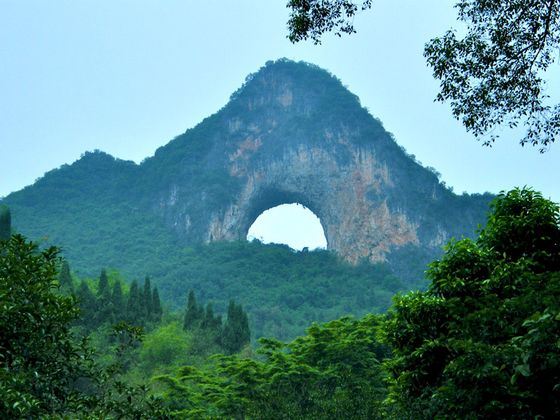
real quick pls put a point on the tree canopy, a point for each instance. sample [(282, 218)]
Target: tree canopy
[(482, 342), (492, 76)]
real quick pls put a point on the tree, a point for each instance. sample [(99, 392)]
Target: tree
[(333, 371), (65, 279), (482, 341), (5, 222), (148, 298), (156, 306), (88, 306), (103, 285), (118, 301), (105, 310), (493, 76), (35, 343), (236, 333), (42, 368), (193, 314), (135, 306)]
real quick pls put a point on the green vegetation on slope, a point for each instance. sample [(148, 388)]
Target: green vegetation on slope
[(282, 290)]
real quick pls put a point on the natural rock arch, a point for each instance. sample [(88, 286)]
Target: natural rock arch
[(293, 133)]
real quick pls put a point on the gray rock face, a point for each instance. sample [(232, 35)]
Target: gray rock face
[(291, 134)]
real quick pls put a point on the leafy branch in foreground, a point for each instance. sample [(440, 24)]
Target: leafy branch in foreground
[(492, 77), (44, 371), (482, 342)]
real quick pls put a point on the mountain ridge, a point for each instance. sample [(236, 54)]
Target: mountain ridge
[(286, 131)]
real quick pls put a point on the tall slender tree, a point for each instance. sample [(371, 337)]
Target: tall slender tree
[(192, 314), (156, 306), (134, 309), (5, 223), (87, 304), (65, 279), (148, 298), (118, 301), (236, 333), (103, 285)]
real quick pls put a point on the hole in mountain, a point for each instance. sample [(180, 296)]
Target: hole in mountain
[(290, 224)]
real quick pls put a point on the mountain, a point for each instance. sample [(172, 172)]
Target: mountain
[(291, 133)]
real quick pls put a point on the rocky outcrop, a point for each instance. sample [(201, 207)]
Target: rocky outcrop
[(293, 133)]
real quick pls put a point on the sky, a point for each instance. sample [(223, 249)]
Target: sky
[(127, 76)]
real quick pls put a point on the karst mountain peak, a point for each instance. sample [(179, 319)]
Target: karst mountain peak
[(292, 133)]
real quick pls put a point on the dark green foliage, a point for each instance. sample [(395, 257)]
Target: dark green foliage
[(44, 373), (118, 301), (193, 313), (493, 75), (65, 279), (5, 222), (88, 306), (282, 290), (157, 311), (236, 333), (312, 18), (482, 342), (331, 372), (103, 285), (105, 310), (148, 298), (37, 353), (135, 305)]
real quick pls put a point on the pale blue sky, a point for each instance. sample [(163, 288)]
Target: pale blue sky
[(127, 76)]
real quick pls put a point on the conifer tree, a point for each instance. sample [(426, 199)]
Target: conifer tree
[(208, 320), (118, 301), (192, 314), (236, 333), (156, 306), (87, 303), (103, 285), (134, 309), (65, 279), (104, 311), (148, 298), (5, 223)]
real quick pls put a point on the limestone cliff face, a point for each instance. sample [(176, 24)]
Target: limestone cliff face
[(293, 133)]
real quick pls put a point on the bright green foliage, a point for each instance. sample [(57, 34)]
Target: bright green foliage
[(5, 223), (333, 371), (166, 347), (482, 342)]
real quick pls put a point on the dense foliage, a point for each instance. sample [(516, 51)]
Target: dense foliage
[(44, 370), (332, 371), (282, 290), (482, 342)]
